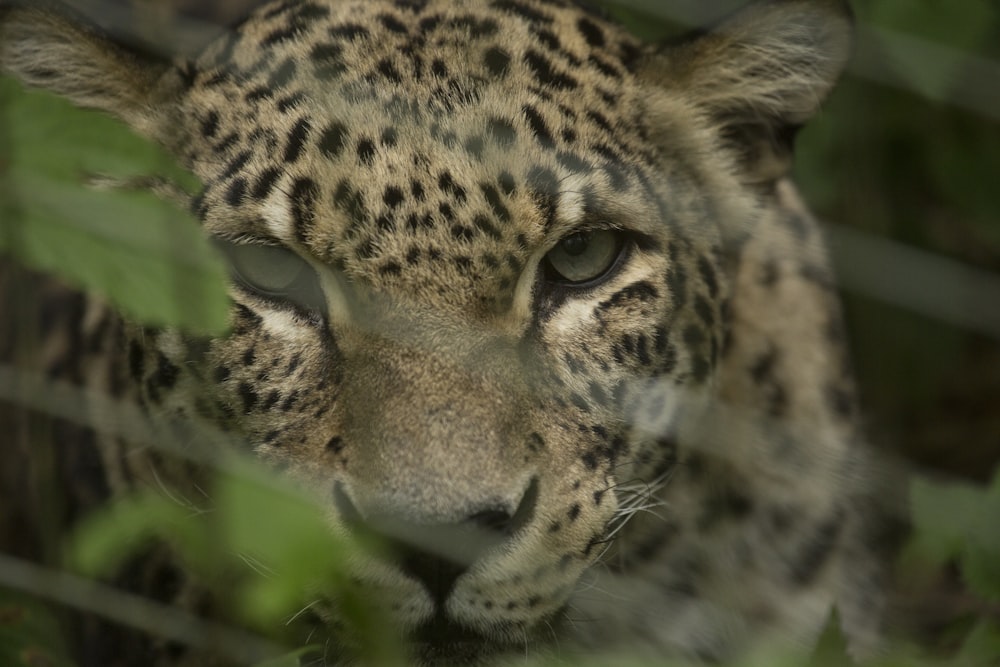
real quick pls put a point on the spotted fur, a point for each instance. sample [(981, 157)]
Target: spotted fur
[(664, 458)]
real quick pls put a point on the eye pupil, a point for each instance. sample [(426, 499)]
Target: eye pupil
[(575, 245)]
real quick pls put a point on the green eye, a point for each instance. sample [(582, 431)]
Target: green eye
[(276, 273), (584, 256)]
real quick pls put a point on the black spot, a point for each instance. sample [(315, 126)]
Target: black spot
[(390, 268), (497, 61), (546, 75), (236, 164), (279, 35), (768, 273), (439, 68), (309, 13), (694, 335), (462, 233), (296, 140), (474, 146), (573, 162), (495, 202), (392, 24), (603, 67), (227, 142), (590, 31), (333, 139), (573, 512), (522, 10), (484, 225), (210, 125), (640, 292), (389, 137), (502, 131), (815, 551), (841, 401), (393, 196), (290, 102), (349, 31), (290, 402), (700, 369), (388, 70), (704, 310), (136, 360), (417, 189), (724, 503), (350, 201), (366, 151), (538, 127), (507, 183), (303, 198), (762, 370), (257, 94), (234, 195), (545, 190), (708, 276), (248, 396), (549, 39), (327, 61), (282, 75), (335, 444), (165, 376), (265, 183)]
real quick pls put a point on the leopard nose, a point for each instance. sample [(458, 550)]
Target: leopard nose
[(438, 554)]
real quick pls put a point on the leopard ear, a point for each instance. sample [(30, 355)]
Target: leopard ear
[(759, 75), (49, 51)]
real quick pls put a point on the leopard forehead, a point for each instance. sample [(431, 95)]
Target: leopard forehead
[(432, 146)]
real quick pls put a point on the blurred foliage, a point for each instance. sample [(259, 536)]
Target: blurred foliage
[(145, 255), (29, 633), (907, 148)]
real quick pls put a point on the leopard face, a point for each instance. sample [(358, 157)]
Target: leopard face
[(508, 290)]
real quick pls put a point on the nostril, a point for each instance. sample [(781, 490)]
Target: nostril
[(437, 554), (348, 511), (525, 511), (500, 521), (493, 520)]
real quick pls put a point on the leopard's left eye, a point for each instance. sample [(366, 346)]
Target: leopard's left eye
[(275, 273), (584, 257)]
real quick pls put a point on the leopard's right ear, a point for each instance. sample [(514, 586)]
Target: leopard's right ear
[(49, 51)]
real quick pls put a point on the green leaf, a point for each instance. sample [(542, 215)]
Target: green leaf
[(831, 648), (262, 519), (145, 255), (109, 536), (959, 520), (981, 646), (943, 517), (29, 633)]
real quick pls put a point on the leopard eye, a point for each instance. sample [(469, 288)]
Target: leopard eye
[(584, 257), (275, 273)]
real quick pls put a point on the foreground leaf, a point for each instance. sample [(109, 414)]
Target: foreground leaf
[(146, 256)]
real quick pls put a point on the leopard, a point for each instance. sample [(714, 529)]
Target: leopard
[(533, 301)]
